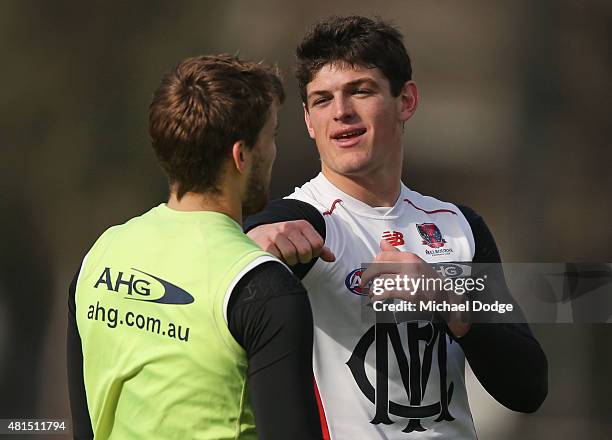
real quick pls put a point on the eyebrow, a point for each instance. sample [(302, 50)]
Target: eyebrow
[(360, 81), (356, 82)]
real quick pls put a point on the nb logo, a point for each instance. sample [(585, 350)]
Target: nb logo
[(414, 373), (394, 238)]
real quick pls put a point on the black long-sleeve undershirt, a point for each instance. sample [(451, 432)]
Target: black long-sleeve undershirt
[(269, 315), (81, 422), (506, 358)]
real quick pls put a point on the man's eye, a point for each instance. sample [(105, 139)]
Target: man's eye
[(319, 101), (362, 92)]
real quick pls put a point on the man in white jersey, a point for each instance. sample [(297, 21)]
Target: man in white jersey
[(381, 379)]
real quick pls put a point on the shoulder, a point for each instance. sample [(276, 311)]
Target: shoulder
[(450, 213), (429, 204), (288, 209), (470, 215), (485, 247), (103, 242), (463, 219), (267, 280), (474, 219), (258, 285), (129, 226)]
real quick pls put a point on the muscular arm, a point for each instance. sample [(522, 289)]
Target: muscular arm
[(269, 315), (506, 358)]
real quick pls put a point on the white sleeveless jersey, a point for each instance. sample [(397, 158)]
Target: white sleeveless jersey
[(385, 381)]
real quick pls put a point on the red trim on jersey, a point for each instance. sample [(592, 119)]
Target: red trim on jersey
[(435, 211), (324, 428), (333, 206)]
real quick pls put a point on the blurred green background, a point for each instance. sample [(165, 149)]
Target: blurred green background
[(514, 121)]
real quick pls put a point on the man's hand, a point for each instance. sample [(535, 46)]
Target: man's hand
[(391, 262), (293, 241)]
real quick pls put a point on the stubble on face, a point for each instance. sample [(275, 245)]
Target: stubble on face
[(258, 188), (263, 155)]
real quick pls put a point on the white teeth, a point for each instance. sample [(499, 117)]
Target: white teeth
[(349, 134)]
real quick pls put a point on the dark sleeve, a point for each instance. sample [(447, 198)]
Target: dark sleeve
[(284, 210), (81, 423), (506, 358), (269, 315)]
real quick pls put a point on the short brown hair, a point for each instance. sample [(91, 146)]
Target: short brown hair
[(201, 108)]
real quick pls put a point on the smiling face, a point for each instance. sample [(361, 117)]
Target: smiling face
[(355, 121)]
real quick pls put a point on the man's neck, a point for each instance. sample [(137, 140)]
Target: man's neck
[(206, 202), (375, 189)]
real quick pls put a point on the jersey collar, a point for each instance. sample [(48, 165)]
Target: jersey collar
[(332, 193)]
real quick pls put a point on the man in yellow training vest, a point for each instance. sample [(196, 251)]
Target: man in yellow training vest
[(180, 326)]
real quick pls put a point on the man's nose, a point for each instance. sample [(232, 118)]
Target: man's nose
[(343, 109)]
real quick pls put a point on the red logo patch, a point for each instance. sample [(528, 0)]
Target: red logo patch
[(431, 235), (394, 238)]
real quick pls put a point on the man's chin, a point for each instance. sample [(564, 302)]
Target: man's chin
[(353, 169), (355, 165)]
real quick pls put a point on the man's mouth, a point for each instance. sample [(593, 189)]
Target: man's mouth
[(348, 137)]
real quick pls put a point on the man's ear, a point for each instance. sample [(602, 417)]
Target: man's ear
[(409, 100), (240, 156), (307, 120)]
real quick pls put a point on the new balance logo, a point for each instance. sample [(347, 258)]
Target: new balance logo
[(394, 238)]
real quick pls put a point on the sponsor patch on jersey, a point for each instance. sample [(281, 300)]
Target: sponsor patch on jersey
[(353, 281), (142, 286), (452, 270), (394, 238), (432, 238), (431, 235)]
